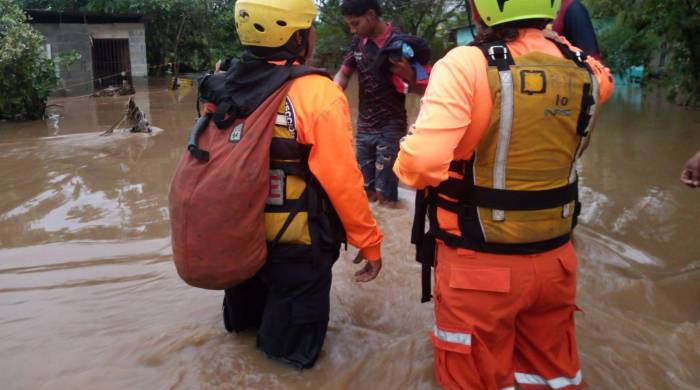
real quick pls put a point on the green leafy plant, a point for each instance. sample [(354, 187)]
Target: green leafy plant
[(65, 60), (645, 29), (27, 77)]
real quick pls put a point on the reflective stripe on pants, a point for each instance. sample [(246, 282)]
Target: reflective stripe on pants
[(556, 383)]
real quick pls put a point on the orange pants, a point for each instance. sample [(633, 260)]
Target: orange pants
[(505, 319)]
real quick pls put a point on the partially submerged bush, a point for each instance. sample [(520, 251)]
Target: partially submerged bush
[(27, 77)]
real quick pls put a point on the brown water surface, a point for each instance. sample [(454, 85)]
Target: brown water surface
[(89, 298)]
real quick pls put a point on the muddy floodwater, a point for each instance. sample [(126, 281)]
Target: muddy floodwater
[(89, 298)]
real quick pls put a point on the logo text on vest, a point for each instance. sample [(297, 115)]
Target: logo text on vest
[(557, 112)]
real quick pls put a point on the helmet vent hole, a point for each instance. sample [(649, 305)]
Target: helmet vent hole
[(282, 23), (259, 27)]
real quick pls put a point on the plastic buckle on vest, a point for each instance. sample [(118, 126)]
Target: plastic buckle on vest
[(503, 52)]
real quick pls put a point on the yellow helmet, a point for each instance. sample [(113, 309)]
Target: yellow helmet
[(494, 12), (270, 23)]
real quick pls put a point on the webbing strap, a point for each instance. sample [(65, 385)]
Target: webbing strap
[(298, 205), (425, 244), (285, 149), (290, 168), (314, 210), (290, 205), (498, 55), (454, 241), (193, 143), (577, 57), (520, 200), (220, 119)]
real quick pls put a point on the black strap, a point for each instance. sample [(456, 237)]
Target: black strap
[(426, 283), (584, 118), (285, 149), (577, 212), (425, 244), (578, 57), (292, 214), (290, 168), (222, 110), (497, 54), (314, 210), (454, 207), (458, 166), (453, 188), (290, 205), (430, 246), (454, 241), (199, 128), (521, 200), (418, 228)]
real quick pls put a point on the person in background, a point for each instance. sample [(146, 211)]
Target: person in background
[(691, 172), (382, 113), (574, 24), (494, 149)]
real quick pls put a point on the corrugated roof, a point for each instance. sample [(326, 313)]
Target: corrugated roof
[(43, 16)]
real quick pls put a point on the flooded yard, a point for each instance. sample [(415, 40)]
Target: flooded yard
[(89, 297)]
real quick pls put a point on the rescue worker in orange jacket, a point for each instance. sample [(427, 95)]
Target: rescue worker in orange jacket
[(312, 153), (495, 146)]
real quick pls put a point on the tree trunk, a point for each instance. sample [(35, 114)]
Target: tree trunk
[(176, 66)]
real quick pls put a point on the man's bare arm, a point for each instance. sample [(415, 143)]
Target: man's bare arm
[(341, 79)]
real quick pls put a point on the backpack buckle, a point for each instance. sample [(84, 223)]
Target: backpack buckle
[(498, 50)]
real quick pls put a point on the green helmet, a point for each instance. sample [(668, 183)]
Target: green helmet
[(494, 12)]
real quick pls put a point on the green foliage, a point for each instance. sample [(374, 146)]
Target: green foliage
[(647, 29), (27, 77), (623, 46), (65, 60)]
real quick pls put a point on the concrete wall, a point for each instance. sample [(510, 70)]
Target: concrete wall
[(66, 37), (63, 38), (135, 33)]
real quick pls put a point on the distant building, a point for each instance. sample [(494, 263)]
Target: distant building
[(113, 48)]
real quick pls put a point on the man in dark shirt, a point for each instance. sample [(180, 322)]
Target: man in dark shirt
[(574, 23), (382, 113)]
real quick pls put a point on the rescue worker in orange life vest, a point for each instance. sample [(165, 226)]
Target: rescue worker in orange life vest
[(494, 148), (288, 300)]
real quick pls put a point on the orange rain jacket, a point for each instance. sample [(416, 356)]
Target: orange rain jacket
[(322, 116), (456, 110)]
